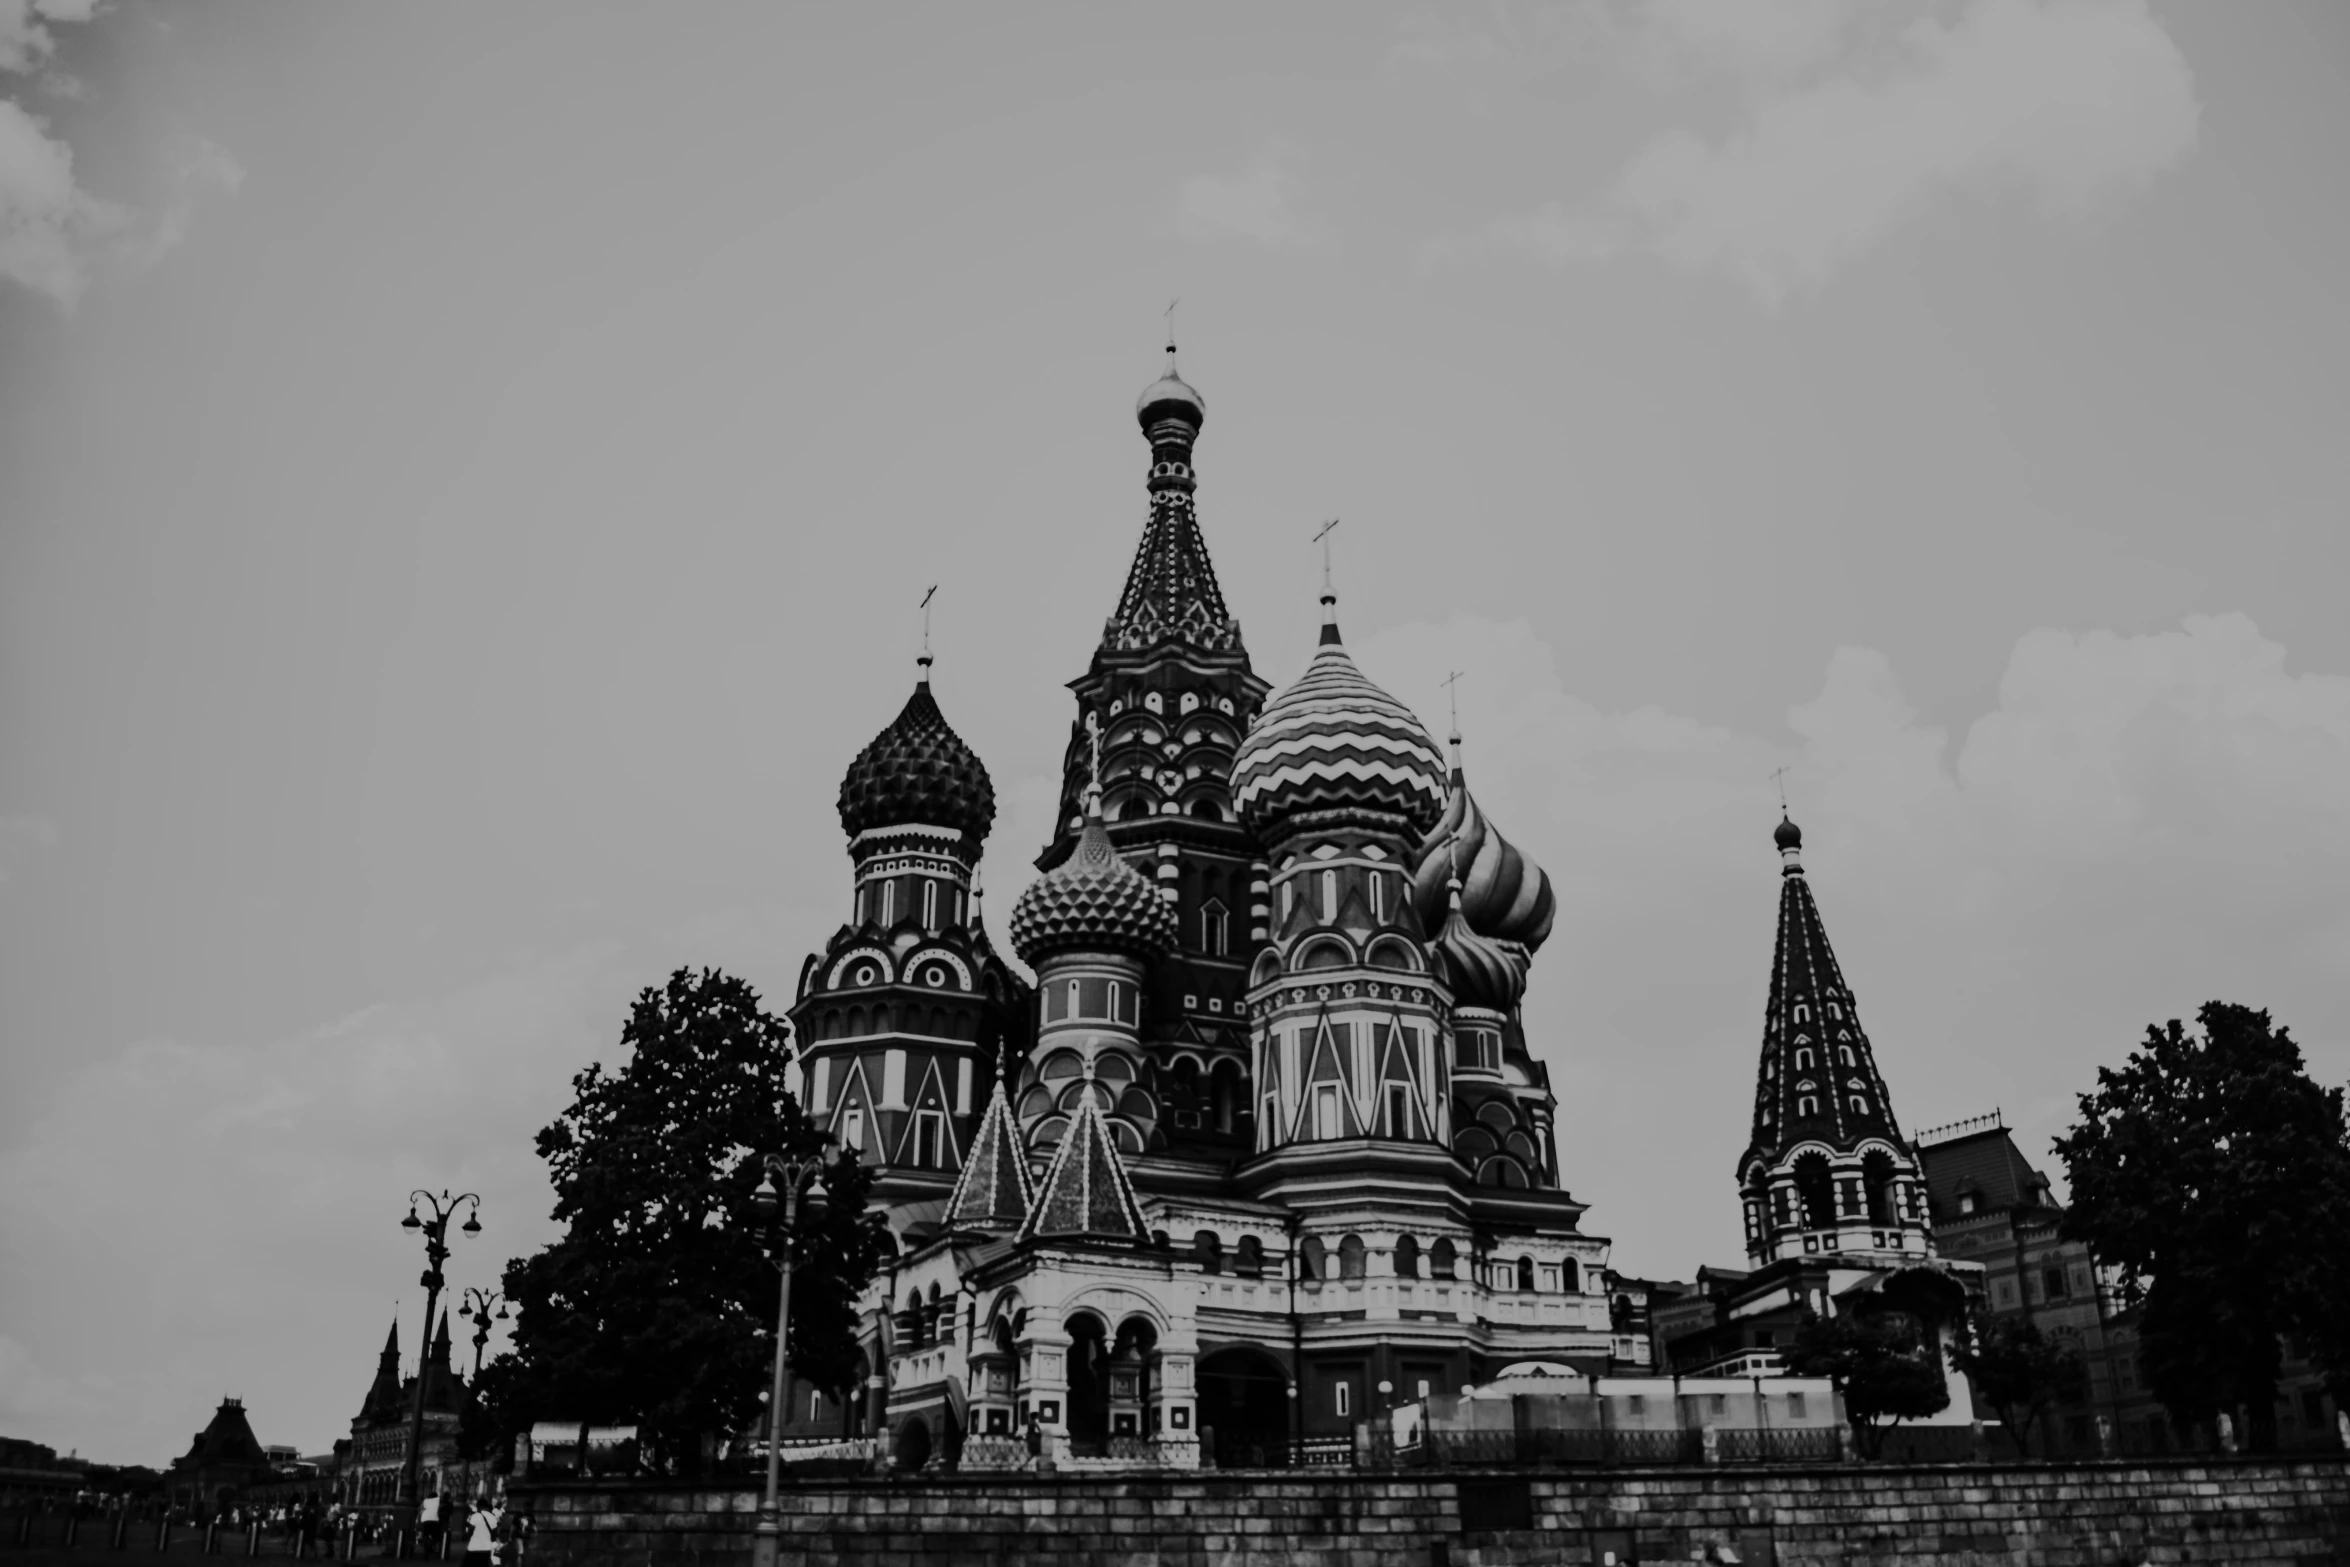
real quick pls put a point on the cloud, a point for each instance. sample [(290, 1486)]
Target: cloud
[(25, 40), (1257, 204), (1858, 127), (48, 224), (226, 1214), (53, 233), (2141, 824)]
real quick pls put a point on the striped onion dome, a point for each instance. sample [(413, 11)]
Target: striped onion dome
[(1504, 894), (1093, 901), (1481, 971), (1335, 741)]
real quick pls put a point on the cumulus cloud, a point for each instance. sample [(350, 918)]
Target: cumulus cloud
[(2142, 823), (26, 41), (1259, 204), (48, 223), (1854, 127), (53, 233)]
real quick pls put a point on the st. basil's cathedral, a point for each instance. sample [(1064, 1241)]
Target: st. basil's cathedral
[(1263, 1150)]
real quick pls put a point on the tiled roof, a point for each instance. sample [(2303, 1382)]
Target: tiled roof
[(1986, 1162)]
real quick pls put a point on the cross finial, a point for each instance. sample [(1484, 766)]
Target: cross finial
[(1171, 304), (924, 660), (1779, 776), (1452, 696)]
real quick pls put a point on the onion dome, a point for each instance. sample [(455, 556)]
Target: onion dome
[(1504, 894), (1170, 397), (1335, 741), (1787, 835), (917, 771), (1481, 971), (1093, 901)]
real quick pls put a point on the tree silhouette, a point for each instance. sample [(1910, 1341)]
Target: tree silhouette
[(657, 1305), (2215, 1177), (2019, 1371)]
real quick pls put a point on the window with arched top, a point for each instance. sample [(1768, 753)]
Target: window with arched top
[(1571, 1277), (1407, 1257), (1803, 1059), (1845, 1055), (930, 903), (1443, 1259), (1207, 1251), (1526, 1274), (1248, 1258), (1860, 1106), (1330, 897), (1312, 1259), (1350, 1257), (1802, 1013), (1215, 929), (1807, 1106)]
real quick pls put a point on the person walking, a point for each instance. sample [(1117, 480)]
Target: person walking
[(1035, 1442), (481, 1533), (428, 1527)]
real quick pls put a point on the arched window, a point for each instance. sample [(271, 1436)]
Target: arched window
[(1350, 1257), (1215, 930), (1844, 1054), (1807, 1106), (1312, 1263), (1207, 1251), (1378, 898), (1860, 1106), (1877, 1186), (1802, 1013), (1571, 1276), (930, 903), (1815, 1189), (1248, 1258), (1803, 1059), (1526, 1273), (1407, 1257), (1443, 1260), (889, 902), (1330, 897)]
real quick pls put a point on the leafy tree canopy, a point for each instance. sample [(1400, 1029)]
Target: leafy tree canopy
[(2019, 1371), (2215, 1177), (1883, 1365), (657, 1305)]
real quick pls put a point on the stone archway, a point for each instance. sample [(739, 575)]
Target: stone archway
[(913, 1444), (1089, 1383)]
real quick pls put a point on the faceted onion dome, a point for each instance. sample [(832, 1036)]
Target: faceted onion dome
[(1335, 740), (1504, 894), (1482, 971), (1093, 901), (918, 770), (1170, 397)]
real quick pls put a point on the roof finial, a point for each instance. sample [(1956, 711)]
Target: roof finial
[(924, 661), (1329, 593), (1171, 304), (1452, 858), (1452, 697), (1093, 786), (1788, 836)]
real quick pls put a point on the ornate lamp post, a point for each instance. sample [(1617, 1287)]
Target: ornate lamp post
[(436, 1251), (767, 1204), (477, 1306)]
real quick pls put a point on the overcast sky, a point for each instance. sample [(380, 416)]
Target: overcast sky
[(466, 474)]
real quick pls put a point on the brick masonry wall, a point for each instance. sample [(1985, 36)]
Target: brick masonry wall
[(2095, 1515)]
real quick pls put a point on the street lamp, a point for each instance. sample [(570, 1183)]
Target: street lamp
[(477, 1306), (767, 1204), (436, 1251)]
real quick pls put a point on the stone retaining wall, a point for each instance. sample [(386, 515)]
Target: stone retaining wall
[(2096, 1515)]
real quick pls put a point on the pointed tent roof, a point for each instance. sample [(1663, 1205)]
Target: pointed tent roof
[(1171, 590), (1812, 1023), (1086, 1193), (383, 1394), (995, 1191)]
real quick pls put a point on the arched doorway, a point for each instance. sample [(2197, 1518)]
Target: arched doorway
[(1244, 1408), (913, 1449), (1089, 1384)]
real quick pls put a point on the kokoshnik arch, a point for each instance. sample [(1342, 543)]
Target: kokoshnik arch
[(1263, 1149)]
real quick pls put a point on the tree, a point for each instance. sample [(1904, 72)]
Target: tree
[(1882, 1366), (2214, 1176), (657, 1305), (2019, 1371)]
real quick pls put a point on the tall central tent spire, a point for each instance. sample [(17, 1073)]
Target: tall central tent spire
[(1171, 591)]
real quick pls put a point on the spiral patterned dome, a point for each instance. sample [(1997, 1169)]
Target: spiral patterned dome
[(1481, 971), (1335, 740), (918, 770), (1093, 901), (1504, 894)]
